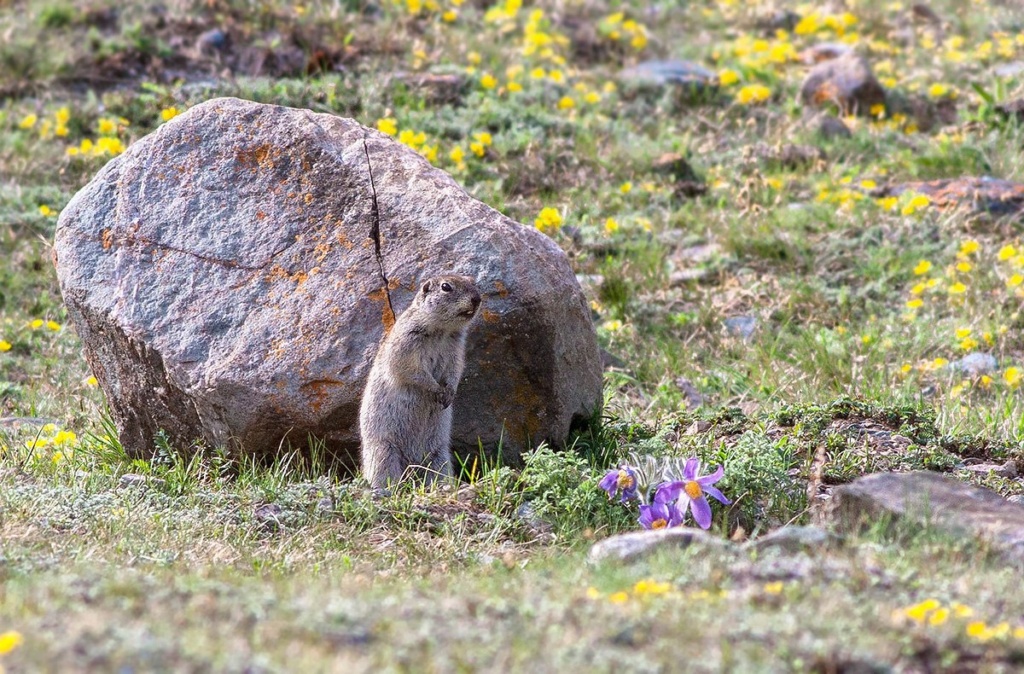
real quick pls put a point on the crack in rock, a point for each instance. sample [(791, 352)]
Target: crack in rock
[(375, 232)]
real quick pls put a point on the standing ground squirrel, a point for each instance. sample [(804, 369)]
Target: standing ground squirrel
[(406, 414)]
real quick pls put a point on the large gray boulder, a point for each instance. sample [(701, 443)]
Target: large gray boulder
[(232, 274)]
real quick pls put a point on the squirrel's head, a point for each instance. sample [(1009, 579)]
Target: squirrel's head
[(452, 299)]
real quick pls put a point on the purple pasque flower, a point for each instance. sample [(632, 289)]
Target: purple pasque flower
[(690, 492), (622, 479), (660, 515)]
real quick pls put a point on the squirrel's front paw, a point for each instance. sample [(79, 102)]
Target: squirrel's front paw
[(445, 396)]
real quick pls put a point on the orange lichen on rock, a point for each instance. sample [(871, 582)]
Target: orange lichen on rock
[(107, 238), (387, 316)]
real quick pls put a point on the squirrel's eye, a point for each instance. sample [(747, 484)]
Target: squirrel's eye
[(447, 287)]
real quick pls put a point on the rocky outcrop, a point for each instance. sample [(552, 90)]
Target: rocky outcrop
[(232, 274)]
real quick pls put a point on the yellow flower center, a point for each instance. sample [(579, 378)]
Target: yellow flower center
[(693, 490), (624, 481), (659, 524)]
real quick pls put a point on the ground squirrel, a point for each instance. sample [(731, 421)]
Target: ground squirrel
[(406, 414)]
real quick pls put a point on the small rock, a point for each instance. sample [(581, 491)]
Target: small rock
[(699, 426), (975, 364), (683, 75), (794, 539), (783, 19), (1011, 69), (831, 128), (687, 276), (845, 81), (925, 13), (824, 52), (14, 423), (636, 545), (741, 326), (211, 41), (693, 397), (436, 88), (1008, 469), (527, 514), (930, 499), (675, 164), (268, 515), (134, 480), (993, 196), (1012, 109), (325, 506)]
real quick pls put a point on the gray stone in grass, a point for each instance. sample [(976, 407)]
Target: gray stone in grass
[(1016, 498), (136, 481), (1007, 470), (741, 326), (662, 74), (232, 274), (635, 545), (794, 539), (975, 364), (930, 499)]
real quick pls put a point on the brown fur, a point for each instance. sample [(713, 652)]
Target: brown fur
[(406, 415)]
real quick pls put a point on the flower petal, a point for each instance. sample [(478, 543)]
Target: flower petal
[(719, 496), (712, 478), (701, 512), (668, 492), (609, 482), (691, 469)]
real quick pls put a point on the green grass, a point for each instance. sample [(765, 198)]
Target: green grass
[(217, 565)]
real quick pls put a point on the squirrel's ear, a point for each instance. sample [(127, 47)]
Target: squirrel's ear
[(426, 287)]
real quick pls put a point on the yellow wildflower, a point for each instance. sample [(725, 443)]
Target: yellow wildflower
[(753, 93), (28, 121), (1012, 376), (938, 90), (549, 220), (106, 126), (888, 203), (592, 97), (9, 641), (773, 588), (618, 598), (654, 587), (91, 381), (1006, 252), (916, 203), (488, 81), (1014, 281), (957, 289), (53, 325), (915, 303), (457, 154), (964, 267), (727, 77), (167, 114), (923, 267), (483, 137), (36, 324), (565, 103), (5, 346), (388, 125), (611, 226), (450, 16), (969, 246), (478, 148)]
